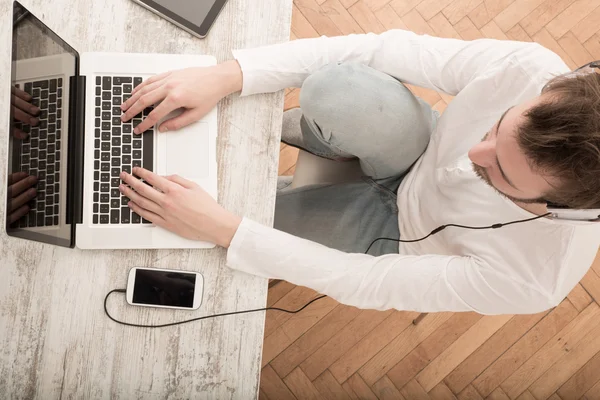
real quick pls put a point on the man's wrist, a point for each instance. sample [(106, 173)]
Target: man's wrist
[(233, 76), (228, 230)]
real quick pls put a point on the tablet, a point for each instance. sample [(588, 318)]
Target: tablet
[(194, 16)]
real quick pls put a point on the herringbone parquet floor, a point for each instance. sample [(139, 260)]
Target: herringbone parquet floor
[(332, 351)]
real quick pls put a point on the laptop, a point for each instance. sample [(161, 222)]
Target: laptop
[(79, 146)]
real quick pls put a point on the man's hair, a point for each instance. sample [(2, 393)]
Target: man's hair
[(561, 139)]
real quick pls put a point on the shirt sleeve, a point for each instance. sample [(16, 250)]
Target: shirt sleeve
[(428, 283), (441, 64)]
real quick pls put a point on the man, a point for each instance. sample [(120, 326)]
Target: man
[(507, 144)]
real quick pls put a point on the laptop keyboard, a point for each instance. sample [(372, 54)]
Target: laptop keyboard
[(41, 151), (116, 149)]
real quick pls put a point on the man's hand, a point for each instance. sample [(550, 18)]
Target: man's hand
[(179, 206), (20, 192), (197, 90), (23, 111)]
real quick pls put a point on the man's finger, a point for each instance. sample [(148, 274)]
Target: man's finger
[(150, 216), (20, 93), (15, 216), (164, 108), (25, 106), (22, 116), (132, 106), (19, 134), (181, 181), (19, 187), (21, 199), (157, 181), (143, 189), (142, 201), (16, 177), (172, 124), (150, 81)]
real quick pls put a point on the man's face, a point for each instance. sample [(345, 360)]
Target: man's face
[(499, 161)]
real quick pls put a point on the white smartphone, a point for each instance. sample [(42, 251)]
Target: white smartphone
[(164, 288)]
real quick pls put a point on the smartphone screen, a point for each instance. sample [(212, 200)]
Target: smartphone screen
[(164, 288)]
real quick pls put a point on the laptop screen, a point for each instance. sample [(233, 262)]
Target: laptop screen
[(42, 65)]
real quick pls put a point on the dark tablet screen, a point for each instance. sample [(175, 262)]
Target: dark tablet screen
[(195, 15)]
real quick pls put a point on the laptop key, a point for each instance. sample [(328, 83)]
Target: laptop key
[(105, 156), (104, 187), (106, 116), (104, 198), (106, 105), (105, 167), (115, 172), (115, 203), (135, 218), (52, 86), (136, 82), (125, 215), (104, 219), (117, 111), (145, 221), (114, 217), (104, 208), (104, 178), (115, 182), (127, 89), (106, 83), (95, 220), (115, 193)]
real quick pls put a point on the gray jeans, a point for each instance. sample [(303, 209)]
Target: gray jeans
[(353, 111)]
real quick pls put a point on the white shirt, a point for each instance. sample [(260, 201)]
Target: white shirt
[(522, 268)]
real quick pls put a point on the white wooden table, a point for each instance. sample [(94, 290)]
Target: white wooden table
[(55, 341)]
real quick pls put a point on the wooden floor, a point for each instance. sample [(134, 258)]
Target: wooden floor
[(332, 351)]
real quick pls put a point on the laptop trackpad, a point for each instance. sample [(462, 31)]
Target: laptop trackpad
[(187, 151)]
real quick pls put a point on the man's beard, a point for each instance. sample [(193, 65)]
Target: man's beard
[(480, 171)]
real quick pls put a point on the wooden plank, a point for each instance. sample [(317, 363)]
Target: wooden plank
[(588, 26), (575, 50), (384, 389), (440, 106), (274, 344), (579, 298), (541, 361), (517, 33), (492, 30), (460, 350), (459, 9), (498, 394), (570, 17), (430, 8), (398, 348), (365, 18), (515, 12), (350, 392), (591, 283), (329, 388), (526, 395), (292, 99), (300, 25), (575, 356), (340, 343), (593, 46), (582, 381), (287, 158), (319, 21), (312, 340), (296, 298), (303, 321), (486, 11), (469, 394), (467, 30), (371, 344), (596, 263), (431, 347), (376, 5), (528, 345), (403, 7), (301, 386), (262, 395), (429, 95), (545, 13), (544, 38), (348, 3), (442, 27), (362, 390), (341, 17), (441, 392), (486, 354), (414, 391), (415, 22), (593, 393), (277, 292), (389, 19), (272, 385)]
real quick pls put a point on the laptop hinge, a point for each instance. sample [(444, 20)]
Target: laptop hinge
[(76, 150)]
